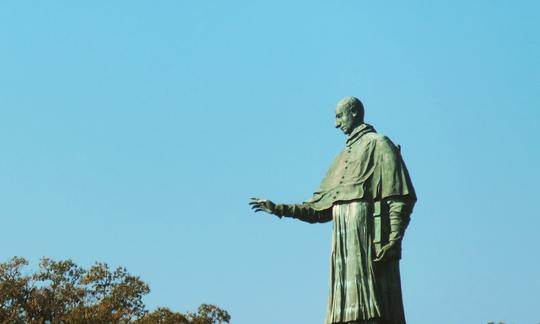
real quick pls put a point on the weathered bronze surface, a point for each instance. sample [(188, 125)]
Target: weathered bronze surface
[(368, 194)]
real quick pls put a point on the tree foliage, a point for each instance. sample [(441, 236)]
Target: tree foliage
[(62, 292)]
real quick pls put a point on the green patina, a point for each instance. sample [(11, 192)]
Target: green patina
[(369, 168), (369, 196)]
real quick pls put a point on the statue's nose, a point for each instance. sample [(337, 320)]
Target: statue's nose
[(338, 124)]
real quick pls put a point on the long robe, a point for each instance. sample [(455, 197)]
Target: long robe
[(361, 290)]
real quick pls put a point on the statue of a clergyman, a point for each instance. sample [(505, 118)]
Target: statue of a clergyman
[(368, 194)]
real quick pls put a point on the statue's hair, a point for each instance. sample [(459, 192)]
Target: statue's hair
[(353, 104)]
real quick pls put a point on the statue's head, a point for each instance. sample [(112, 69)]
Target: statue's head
[(349, 114)]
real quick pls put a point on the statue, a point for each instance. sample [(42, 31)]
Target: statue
[(368, 194)]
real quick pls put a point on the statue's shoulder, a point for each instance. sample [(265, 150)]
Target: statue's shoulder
[(373, 136), (377, 138), (382, 143)]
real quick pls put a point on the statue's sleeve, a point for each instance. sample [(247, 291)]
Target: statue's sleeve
[(304, 213), (399, 210)]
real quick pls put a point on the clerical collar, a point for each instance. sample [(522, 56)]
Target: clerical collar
[(359, 132)]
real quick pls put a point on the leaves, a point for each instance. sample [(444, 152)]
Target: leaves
[(163, 316), (62, 292), (209, 314)]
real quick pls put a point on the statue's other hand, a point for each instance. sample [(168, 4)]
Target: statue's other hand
[(258, 204), (389, 251)]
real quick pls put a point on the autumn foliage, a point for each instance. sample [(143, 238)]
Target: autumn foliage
[(62, 292)]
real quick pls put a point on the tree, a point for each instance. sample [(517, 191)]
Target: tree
[(62, 292), (209, 314), (163, 316)]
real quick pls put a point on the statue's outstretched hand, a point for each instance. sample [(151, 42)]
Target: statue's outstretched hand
[(258, 204)]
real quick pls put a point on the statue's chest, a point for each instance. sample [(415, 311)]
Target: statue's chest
[(353, 161)]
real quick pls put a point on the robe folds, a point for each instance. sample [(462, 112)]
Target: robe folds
[(361, 291), (370, 168)]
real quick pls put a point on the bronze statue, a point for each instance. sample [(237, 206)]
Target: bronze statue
[(368, 194)]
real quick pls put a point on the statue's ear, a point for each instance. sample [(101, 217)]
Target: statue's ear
[(354, 114)]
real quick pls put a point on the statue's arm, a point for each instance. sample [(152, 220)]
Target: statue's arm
[(399, 209), (304, 213)]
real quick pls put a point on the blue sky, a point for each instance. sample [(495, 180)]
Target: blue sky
[(134, 132)]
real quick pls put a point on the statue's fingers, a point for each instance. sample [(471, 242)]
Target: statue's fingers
[(380, 255), (253, 203), (258, 210)]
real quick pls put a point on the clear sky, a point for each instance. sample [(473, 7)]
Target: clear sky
[(134, 132)]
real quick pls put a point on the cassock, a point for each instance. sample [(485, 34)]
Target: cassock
[(368, 194)]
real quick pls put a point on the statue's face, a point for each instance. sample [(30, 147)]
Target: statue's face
[(345, 119)]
